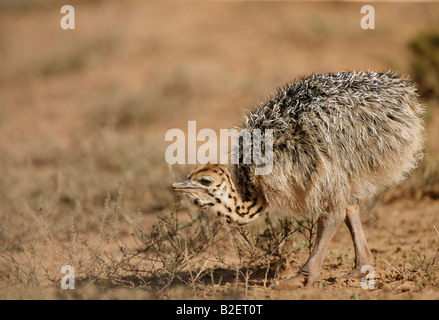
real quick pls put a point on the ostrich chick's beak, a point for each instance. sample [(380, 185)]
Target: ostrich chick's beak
[(186, 186)]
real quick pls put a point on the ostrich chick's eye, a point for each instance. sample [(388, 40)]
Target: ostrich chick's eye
[(206, 181)]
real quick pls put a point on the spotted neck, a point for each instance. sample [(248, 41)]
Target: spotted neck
[(235, 207)]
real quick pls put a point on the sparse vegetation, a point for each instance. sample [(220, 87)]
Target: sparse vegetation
[(193, 252)]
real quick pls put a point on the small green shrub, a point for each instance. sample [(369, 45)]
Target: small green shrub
[(425, 63)]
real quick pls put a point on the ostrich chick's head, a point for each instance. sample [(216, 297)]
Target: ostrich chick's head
[(205, 184), (210, 186)]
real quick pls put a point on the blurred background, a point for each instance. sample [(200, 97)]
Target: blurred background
[(84, 110)]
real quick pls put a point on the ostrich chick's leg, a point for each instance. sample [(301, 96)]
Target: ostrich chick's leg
[(363, 255), (309, 273)]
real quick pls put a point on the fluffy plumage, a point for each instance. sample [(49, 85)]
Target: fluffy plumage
[(338, 138)]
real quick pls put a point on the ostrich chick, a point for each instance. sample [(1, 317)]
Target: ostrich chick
[(338, 138)]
